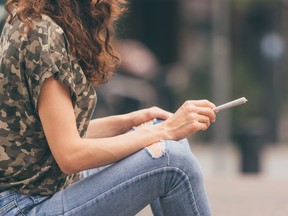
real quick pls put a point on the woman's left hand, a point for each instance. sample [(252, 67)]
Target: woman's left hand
[(144, 115)]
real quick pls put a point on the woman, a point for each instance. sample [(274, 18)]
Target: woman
[(51, 52)]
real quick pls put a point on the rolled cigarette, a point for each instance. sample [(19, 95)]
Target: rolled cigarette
[(230, 104)]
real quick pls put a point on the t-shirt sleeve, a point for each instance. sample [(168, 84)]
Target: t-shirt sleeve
[(46, 55)]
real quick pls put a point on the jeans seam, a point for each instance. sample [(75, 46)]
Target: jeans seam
[(135, 179), (114, 188), (62, 202), (182, 172), (191, 188), (18, 207)]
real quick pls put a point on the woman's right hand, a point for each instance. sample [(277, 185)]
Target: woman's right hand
[(192, 116)]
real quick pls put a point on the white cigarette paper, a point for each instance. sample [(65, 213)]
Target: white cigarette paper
[(230, 104)]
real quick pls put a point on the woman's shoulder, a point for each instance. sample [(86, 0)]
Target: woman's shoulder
[(44, 36), (42, 30), (46, 28), (47, 24)]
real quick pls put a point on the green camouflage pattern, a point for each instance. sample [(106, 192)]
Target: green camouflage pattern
[(26, 60)]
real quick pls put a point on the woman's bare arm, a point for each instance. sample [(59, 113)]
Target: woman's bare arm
[(74, 153), (119, 124)]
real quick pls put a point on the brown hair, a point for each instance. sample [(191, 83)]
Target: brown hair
[(88, 25)]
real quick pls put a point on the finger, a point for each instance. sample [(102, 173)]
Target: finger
[(204, 120), (192, 111), (207, 112), (203, 103), (194, 119), (200, 126), (160, 113)]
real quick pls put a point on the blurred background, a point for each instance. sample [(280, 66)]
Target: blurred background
[(221, 50)]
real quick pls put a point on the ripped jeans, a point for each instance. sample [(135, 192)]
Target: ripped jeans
[(170, 181)]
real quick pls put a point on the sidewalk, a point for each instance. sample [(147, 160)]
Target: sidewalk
[(248, 196), (234, 194)]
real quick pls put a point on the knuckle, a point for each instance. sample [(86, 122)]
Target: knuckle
[(154, 109), (194, 125), (206, 101), (189, 106), (186, 103), (151, 109), (192, 116)]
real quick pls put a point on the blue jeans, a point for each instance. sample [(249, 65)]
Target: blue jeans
[(171, 183)]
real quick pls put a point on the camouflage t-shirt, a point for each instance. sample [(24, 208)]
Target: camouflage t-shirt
[(26, 162)]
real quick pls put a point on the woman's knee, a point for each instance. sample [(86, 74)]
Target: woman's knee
[(180, 155)]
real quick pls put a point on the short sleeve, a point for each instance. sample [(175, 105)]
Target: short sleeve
[(46, 55)]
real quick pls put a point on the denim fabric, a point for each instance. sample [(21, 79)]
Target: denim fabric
[(173, 183), (12, 203)]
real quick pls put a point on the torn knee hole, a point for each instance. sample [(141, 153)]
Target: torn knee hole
[(157, 150)]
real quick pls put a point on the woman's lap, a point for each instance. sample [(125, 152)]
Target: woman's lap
[(127, 186)]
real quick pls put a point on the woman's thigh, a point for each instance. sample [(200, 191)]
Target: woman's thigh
[(127, 186)]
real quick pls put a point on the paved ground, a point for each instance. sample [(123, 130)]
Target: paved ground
[(234, 194), (248, 196)]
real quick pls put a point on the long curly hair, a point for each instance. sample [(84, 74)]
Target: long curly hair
[(88, 25)]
